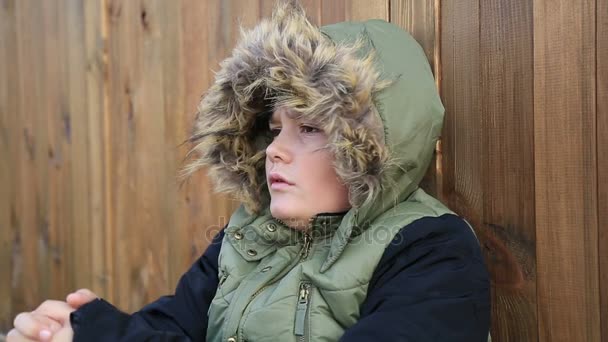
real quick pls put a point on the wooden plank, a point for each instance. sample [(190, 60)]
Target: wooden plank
[(55, 174), (138, 178), (333, 11), (463, 154), (354, 10), (420, 19), (507, 109), (95, 55), (123, 44), (602, 155), (9, 143), (365, 9), (462, 167), (566, 171), (82, 142), (150, 265), (27, 201), (173, 73)]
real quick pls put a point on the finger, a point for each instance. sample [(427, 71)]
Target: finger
[(55, 309), (47, 322), (31, 325), (80, 297), (15, 336), (66, 334), (87, 293)]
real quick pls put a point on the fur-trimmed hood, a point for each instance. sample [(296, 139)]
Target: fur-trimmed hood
[(368, 84)]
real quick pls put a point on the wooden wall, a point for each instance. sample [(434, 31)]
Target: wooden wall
[(97, 96)]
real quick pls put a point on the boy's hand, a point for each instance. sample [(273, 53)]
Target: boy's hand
[(40, 324), (50, 321), (80, 298)]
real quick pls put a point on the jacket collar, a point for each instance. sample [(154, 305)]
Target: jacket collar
[(256, 237)]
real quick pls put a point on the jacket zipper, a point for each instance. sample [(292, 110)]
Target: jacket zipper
[(306, 247), (223, 279), (303, 254), (301, 325)]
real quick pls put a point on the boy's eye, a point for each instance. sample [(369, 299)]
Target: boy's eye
[(309, 129), (274, 132)]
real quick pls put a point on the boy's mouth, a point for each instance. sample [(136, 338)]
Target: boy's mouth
[(277, 181)]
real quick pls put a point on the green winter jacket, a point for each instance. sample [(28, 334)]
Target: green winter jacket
[(369, 83), (397, 266)]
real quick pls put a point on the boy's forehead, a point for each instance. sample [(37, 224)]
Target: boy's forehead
[(276, 115)]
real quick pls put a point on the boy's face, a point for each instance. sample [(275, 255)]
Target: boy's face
[(310, 186)]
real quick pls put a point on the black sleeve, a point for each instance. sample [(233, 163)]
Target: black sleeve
[(431, 284), (179, 317)]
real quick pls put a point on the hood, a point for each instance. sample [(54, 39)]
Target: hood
[(368, 84)]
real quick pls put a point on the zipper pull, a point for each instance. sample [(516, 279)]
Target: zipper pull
[(223, 279), (301, 309), (307, 244)]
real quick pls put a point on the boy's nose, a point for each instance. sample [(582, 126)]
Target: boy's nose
[(278, 150)]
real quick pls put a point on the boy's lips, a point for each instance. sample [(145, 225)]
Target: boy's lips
[(279, 186), (277, 181)]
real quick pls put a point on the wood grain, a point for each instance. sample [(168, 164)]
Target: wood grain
[(98, 96), (566, 171), (333, 11), (353, 10), (463, 153), (9, 141), (31, 226), (56, 202), (462, 133), (137, 180), (365, 9), (602, 161), (507, 119), (95, 71)]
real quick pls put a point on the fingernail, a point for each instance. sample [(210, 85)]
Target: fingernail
[(45, 335)]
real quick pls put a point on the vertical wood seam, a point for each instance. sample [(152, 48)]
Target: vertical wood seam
[(534, 161), (106, 156), (597, 178)]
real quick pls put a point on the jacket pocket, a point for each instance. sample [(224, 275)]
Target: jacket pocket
[(302, 319)]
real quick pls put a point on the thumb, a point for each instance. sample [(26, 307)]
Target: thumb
[(80, 297)]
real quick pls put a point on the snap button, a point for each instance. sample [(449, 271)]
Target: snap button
[(271, 227), (267, 268), (238, 235), (252, 252), (231, 339)]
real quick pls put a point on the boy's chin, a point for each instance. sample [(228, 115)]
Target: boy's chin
[(288, 215)]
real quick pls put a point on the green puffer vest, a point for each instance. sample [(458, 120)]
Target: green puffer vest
[(280, 285)]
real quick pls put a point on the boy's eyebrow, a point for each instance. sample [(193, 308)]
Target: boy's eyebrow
[(272, 119)]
